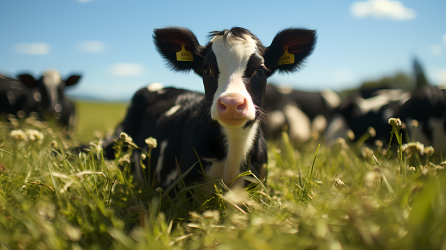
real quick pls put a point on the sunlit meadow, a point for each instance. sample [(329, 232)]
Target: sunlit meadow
[(346, 196)]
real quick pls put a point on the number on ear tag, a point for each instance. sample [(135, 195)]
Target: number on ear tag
[(286, 58), (184, 55)]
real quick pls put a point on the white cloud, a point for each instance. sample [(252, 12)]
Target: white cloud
[(84, 1), (380, 9), (32, 48), (92, 46), (436, 50), (127, 69)]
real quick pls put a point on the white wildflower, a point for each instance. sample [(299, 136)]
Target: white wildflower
[(394, 122), (338, 183), (413, 147), (429, 150), (143, 156), (367, 152), (18, 135), (350, 135), (372, 179), (151, 142), (34, 135), (371, 131)]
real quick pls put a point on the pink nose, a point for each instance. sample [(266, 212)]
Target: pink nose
[(232, 106)]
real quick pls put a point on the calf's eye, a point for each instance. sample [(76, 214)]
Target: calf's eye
[(207, 71), (261, 72)]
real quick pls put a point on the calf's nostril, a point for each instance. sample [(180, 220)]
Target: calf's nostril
[(221, 106), (241, 106)]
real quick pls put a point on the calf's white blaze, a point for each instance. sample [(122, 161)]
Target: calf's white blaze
[(52, 81), (232, 55)]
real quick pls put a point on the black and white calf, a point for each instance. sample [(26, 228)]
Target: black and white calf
[(223, 124), (44, 96), (305, 113)]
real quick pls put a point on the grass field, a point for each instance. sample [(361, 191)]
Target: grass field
[(341, 197), (96, 119)]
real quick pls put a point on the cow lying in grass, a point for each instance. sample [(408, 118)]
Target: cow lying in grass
[(423, 111), (44, 96), (305, 113), (222, 125)]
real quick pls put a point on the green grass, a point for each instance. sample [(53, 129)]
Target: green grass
[(337, 197), (96, 119)]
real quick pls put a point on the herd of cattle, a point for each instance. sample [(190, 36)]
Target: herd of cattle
[(228, 124)]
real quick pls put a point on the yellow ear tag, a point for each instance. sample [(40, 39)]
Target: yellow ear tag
[(184, 55), (286, 58)]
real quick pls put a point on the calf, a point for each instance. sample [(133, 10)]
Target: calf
[(305, 113), (222, 125), (44, 96)]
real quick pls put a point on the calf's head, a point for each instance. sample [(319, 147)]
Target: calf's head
[(234, 66), (50, 90)]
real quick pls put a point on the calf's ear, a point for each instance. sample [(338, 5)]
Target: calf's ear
[(72, 80), (169, 41), (289, 49), (28, 80)]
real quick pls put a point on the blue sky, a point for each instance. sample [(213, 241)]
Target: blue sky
[(110, 41)]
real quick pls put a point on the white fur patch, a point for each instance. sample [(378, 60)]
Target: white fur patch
[(232, 55), (276, 119), (155, 87), (159, 162), (299, 124), (239, 142), (172, 110), (337, 128), (318, 125), (331, 98), (51, 81), (285, 89)]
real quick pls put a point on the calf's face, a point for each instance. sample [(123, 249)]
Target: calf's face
[(50, 90), (234, 66)]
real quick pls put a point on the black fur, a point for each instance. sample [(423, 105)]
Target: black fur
[(25, 90)]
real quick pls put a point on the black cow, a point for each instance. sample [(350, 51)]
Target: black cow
[(44, 96), (305, 113), (427, 107), (358, 114), (222, 125), (423, 110)]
